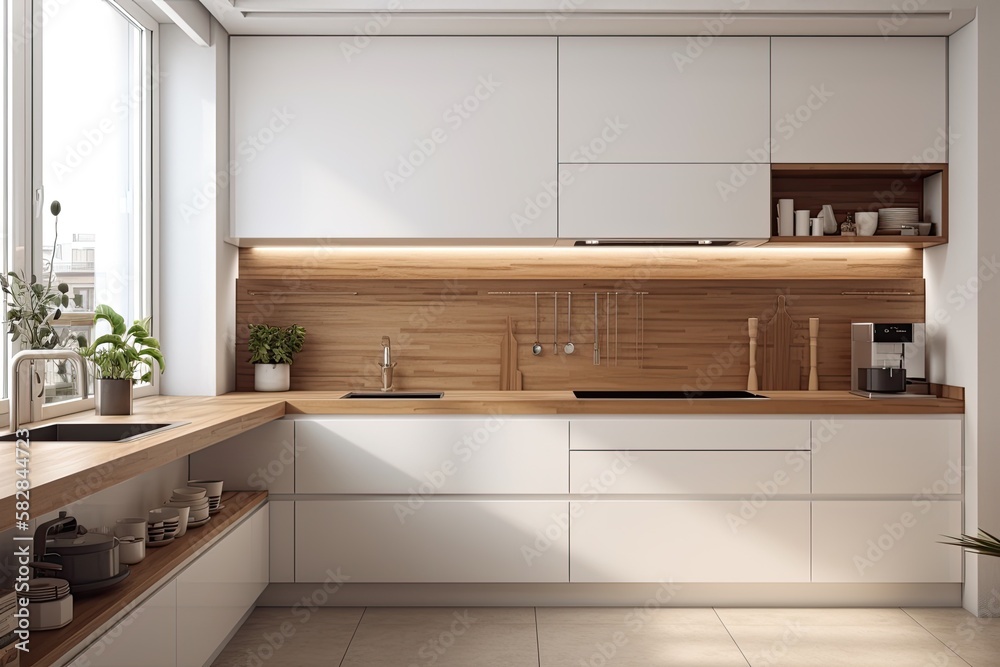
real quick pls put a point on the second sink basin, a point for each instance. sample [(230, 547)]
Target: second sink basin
[(664, 394), (92, 432)]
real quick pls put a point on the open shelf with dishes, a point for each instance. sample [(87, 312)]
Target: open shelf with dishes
[(854, 188)]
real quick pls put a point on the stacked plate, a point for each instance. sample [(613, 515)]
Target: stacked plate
[(50, 604), (46, 589), (213, 489), (195, 498), (897, 218), (162, 526)]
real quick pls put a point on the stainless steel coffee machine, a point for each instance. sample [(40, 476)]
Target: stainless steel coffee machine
[(888, 360)]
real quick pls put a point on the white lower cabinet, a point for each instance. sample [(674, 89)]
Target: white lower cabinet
[(685, 433), (418, 541), (882, 541), (189, 619), (689, 541), (147, 636), (215, 591)]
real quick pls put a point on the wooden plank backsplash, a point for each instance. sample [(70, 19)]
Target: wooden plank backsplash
[(446, 333)]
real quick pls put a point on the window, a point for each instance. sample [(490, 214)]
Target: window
[(83, 89)]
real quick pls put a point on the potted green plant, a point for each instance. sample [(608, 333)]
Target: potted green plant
[(272, 350), (984, 545), (120, 359)]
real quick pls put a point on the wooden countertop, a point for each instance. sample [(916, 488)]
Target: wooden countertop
[(64, 472)]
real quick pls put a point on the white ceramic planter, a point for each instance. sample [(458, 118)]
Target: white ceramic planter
[(271, 377)]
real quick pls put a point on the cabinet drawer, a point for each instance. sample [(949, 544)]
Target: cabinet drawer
[(438, 541), (681, 433), (697, 541), (886, 541), (426, 456), (148, 636), (651, 201), (889, 456), (768, 473), (670, 109)]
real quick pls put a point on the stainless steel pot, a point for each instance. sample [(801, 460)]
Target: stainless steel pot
[(66, 550)]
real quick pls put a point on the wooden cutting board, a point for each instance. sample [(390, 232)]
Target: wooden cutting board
[(510, 377), (781, 370)]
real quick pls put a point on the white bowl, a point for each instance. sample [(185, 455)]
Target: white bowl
[(212, 486), (198, 515), (164, 514), (189, 493)]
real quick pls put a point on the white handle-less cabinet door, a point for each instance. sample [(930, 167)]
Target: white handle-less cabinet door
[(486, 454), (697, 541), (658, 99), (413, 137), (859, 99), (886, 541), (889, 456), (650, 201), (147, 636), (426, 541), (214, 593)]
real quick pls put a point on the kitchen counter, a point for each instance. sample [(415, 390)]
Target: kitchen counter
[(64, 472)]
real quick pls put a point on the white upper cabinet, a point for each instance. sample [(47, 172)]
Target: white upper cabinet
[(411, 137), (656, 201), (859, 99), (660, 99)]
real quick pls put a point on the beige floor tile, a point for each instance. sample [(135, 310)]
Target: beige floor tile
[(630, 616), (976, 640), (277, 637), (651, 645), (423, 615), (479, 644), (814, 616), (874, 645)]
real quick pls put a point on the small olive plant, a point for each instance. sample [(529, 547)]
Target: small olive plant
[(123, 353), (34, 307), (275, 345)]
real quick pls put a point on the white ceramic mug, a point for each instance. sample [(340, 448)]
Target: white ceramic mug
[(816, 224), (867, 222), (131, 550), (802, 223)]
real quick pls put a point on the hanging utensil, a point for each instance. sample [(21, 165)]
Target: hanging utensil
[(813, 353), (569, 347), (607, 327), (616, 328), (536, 349), (752, 375), (555, 323), (642, 330), (597, 346)]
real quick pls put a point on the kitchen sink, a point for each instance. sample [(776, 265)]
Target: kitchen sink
[(394, 394), (670, 394), (92, 432)]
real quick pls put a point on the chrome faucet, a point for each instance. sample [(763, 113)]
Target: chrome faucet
[(18, 383), (387, 364)]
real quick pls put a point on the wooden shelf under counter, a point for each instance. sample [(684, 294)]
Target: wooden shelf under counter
[(891, 241), (92, 612)]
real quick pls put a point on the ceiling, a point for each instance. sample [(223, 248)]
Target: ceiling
[(584, 17)]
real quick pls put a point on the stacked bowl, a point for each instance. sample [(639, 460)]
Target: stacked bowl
[(50, 604), (162, 526), (213, 489), (194, 500)]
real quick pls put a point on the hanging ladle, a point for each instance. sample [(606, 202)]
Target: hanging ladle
[(536, 349), (569, 347)]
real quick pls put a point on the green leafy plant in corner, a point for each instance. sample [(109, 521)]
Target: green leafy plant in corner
[(275, 345), (985, 544), (33, 308), (123, 353)]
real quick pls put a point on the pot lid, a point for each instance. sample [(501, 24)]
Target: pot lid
[(80, 544)]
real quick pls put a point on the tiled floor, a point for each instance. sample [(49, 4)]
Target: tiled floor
[(612, 637)]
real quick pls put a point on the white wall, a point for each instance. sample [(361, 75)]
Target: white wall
[(197, 270)]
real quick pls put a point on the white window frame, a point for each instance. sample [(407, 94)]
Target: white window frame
[(24, 218)]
